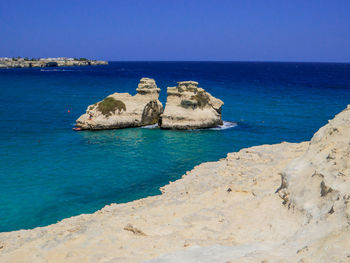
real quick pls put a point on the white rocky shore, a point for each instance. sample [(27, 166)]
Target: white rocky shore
[(287, 202), (48, 62)]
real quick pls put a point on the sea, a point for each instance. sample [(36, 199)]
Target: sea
[(49, 172)]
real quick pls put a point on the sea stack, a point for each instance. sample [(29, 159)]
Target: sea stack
[(122, 110), (190, 107)]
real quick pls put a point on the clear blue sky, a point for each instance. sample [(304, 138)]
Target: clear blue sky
[(265, 30)]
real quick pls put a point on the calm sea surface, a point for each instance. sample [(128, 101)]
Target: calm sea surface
[(48, 172)]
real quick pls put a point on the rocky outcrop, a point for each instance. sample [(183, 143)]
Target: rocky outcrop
[(224, 211), (190, 107), (48, 62), (121, 110), (318, 183)]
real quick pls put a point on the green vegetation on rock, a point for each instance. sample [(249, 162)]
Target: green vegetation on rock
[(109, 105)]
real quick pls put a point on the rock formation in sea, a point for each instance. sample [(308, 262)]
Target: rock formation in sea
[(190, 107), (286, 202), (121, 110)]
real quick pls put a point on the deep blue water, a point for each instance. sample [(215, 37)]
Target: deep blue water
[(48, 172)]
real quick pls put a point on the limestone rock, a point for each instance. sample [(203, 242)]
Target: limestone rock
[(190, 107), (147, 86), (121, 110), (318, 182)]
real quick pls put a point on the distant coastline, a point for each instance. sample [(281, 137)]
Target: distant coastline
[(48, 62)]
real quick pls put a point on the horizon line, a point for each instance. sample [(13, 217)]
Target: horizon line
[(239, 61), (209, 60)]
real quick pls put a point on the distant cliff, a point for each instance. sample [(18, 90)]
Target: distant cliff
[(48, 62)]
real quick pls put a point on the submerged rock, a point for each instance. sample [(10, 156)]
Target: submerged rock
[(121, 110), (190, 107)]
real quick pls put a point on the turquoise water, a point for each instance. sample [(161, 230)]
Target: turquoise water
[(48, 172)]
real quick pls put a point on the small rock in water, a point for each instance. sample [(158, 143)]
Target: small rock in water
[(189, 107)]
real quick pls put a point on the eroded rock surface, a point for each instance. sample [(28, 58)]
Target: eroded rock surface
[(190, 107), (318, 182), (121, 110)]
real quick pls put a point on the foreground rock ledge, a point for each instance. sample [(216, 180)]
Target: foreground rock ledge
[(121, 110), (190, 107), (286, 202)]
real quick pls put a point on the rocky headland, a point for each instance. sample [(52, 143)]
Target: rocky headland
[(190, 107), (287, 202), (48, 62), (122, 110)]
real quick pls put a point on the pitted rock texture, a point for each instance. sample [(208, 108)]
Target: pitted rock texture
[(121, 110), (190, 107)]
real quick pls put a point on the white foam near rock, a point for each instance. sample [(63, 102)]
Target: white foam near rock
[(225, 125), (152, 126), (287, 202)]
